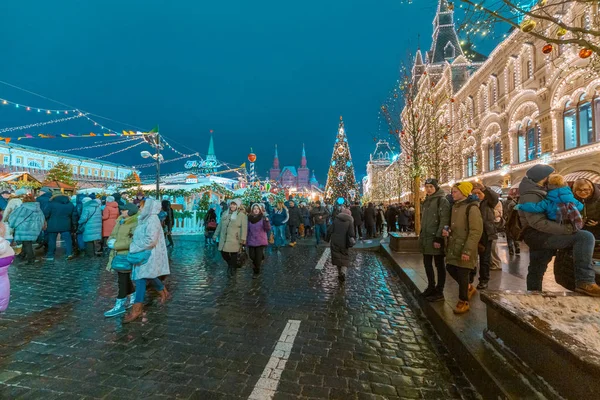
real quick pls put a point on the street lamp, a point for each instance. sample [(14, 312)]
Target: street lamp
[(154, 141)]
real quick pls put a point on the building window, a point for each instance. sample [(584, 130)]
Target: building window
[(449, 51), (471, 165), (34, 164), (528, 142), (19, 160), (102, 174), (50, 164), (6, 160), (495, 156), (89, 172), (581, 122), (95, 172), (74, 170)]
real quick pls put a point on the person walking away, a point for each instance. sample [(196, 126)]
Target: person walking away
[(511, 201), (357, 216), (319, 216), (60, 219), (7, 256), (544, 237), (434, 217), (79, 210), (370, 220), (294, 221), (148, 243), (279, 219), (390, 217), (109, 218), (210, 225), (90, 224), (488, 199), (379, 220), (169, 221), (44, 200), (118, 243), (403, 218), (341, 237), (28, 222), (305, 225), (466, 228), (257, 240), (13, 203), (231, 234)]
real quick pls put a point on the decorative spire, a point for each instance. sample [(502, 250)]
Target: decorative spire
[(303, 161), (211, 149), (445, 45), (276, 159)]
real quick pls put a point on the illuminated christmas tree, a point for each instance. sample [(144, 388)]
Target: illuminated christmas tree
[(341, 182)]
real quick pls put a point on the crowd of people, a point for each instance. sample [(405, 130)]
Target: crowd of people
[(132, 234), (459, 231)]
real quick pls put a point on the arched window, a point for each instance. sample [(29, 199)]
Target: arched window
[(34, 164), (581, 125), (449, 51), (528, 142), (471, 165), (495, 155)]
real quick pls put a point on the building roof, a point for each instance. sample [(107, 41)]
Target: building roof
[(291, 169), (57, 185), (445, 45), (58, 154), (15, 176)]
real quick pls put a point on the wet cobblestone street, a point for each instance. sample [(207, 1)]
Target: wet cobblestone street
[(215, 337)]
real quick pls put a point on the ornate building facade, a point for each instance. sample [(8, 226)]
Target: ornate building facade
[(292, 177), (522, 106), (375, 187)]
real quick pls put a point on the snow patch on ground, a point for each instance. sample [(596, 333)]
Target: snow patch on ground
[(575, 316)]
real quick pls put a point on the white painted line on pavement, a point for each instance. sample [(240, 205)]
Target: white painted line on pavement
[(266, 386), (323, 259)]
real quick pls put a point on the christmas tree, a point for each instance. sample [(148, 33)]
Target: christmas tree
[(132, 180), (341, 182), (61, 172)]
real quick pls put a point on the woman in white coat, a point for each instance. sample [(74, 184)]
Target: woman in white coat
[(148, 239)]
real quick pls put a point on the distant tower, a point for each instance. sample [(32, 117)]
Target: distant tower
[(303, 171), (313, 180), (275, 171), (210, 164)]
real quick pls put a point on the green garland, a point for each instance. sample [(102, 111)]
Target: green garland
[(214, 187)]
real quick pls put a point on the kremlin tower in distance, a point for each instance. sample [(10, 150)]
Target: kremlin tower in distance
[(291, 176)]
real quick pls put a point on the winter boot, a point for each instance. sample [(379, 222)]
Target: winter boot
[(130, 300), (429, 291), (342, 273), (517, 248), (438, 295), (134, 313), (462, 307), (591, 289), (471, 291), (118, 309)]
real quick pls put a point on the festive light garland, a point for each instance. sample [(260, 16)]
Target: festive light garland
[(38, 109), (121, 150), (100, 145), (147, 165), (36, 125)]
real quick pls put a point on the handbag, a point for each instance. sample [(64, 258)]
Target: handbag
[(139, 258), (120, 263), (212, 224), (81, 227), (242, 257)]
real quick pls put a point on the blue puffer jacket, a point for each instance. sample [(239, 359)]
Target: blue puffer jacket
[(27, 221), (279, 217), (91, 219), (549, 205), (60, 214)]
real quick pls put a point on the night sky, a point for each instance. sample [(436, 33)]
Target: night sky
[(258, 73)]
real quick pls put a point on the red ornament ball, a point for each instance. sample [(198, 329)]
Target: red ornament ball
[(251, 157), (547, 49), (585, 53)]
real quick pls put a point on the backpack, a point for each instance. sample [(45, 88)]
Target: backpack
[(513, 227)]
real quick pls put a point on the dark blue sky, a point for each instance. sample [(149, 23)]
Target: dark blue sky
[(256, 72)]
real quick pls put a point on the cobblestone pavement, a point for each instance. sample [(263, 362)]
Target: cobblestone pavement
[(213, 340)]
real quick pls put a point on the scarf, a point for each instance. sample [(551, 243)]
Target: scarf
[(254, 218)]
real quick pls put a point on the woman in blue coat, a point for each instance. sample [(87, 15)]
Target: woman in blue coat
[(28, 222), (90, 224), (61, 219)]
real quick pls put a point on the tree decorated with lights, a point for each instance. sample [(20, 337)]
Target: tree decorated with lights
[(341, 181), (131, 181), (61, 172)]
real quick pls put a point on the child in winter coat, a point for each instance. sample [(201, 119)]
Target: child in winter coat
[(7, 255), (560, 204)]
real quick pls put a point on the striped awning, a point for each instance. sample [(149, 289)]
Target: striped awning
[(496, 189), (589, 175)]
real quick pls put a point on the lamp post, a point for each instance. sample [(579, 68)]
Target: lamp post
[(154, 141)]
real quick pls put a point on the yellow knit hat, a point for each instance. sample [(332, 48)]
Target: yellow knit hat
[(465, 188)]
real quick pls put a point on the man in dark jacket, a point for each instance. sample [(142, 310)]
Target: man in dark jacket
[(319, 216), (60, 218), (340, 234), (357, 215), (544, 237), (43, 199), (488, 199), (390, 217), (294, 221), (370, 220)]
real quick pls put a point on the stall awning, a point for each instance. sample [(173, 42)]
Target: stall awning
[(590, 175), (496, 189)]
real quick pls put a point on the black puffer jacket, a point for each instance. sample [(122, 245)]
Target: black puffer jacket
[(338, 233), (60, 214), (357, 215), (486, 207), (295, 218)]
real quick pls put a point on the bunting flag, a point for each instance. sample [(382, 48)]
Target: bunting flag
[(71, 135)]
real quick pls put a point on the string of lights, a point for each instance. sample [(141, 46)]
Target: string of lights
[(38, 124), (101, 145), (174, 150), (153, 164), (38, 109), (121, 150)]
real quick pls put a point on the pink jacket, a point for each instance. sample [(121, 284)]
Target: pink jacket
[(109, 218), (7, 255)]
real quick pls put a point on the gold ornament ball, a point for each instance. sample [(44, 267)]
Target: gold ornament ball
[(561, 32), (528, 25)]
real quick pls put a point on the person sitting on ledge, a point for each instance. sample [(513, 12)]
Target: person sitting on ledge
[(544, 237)]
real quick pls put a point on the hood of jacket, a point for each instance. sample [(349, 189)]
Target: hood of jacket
[(112, 204), (438, 193), (60, 198), (344, 217), (527, 187), (151, 207), (32, 206)]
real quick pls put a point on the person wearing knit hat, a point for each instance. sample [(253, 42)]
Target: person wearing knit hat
[(435, 215), (259, 228), (110, 213), (463, 233), (544, 236), (21, 192), (341, 237), (131, 208), (231, 235)]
